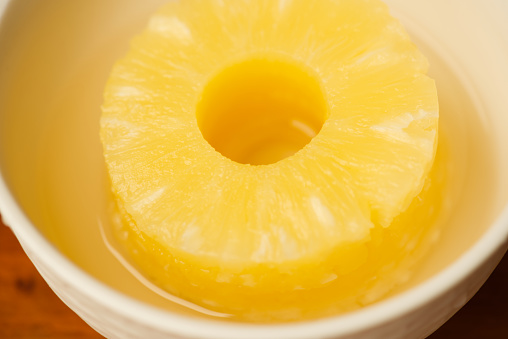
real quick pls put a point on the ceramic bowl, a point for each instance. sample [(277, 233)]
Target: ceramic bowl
[(45, 45)]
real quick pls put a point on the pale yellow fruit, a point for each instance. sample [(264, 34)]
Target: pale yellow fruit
[(260, 150)]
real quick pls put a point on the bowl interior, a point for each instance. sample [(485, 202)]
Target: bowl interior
[(51, 83)]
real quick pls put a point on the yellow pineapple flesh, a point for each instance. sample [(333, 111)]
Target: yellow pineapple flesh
[(259, 152)]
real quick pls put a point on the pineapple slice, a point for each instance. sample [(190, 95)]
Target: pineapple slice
[(260, 150)]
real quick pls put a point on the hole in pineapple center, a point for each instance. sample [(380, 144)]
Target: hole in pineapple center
[(261, 111)]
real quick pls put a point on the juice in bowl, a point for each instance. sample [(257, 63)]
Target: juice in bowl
[(58, 200)]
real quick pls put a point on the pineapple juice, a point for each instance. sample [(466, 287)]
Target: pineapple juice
[(70, 199)]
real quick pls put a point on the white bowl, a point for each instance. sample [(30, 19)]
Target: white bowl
[(467, 44)]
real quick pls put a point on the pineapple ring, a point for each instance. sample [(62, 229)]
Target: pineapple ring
[(217, 231)]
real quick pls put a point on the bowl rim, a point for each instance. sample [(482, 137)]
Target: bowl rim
[(492, 240)]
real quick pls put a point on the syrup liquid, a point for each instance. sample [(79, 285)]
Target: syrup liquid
[(56, 169)]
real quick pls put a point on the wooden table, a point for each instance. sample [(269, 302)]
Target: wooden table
[(29, 309)]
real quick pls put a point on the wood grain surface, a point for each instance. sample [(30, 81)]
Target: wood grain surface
[(29, 309)]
